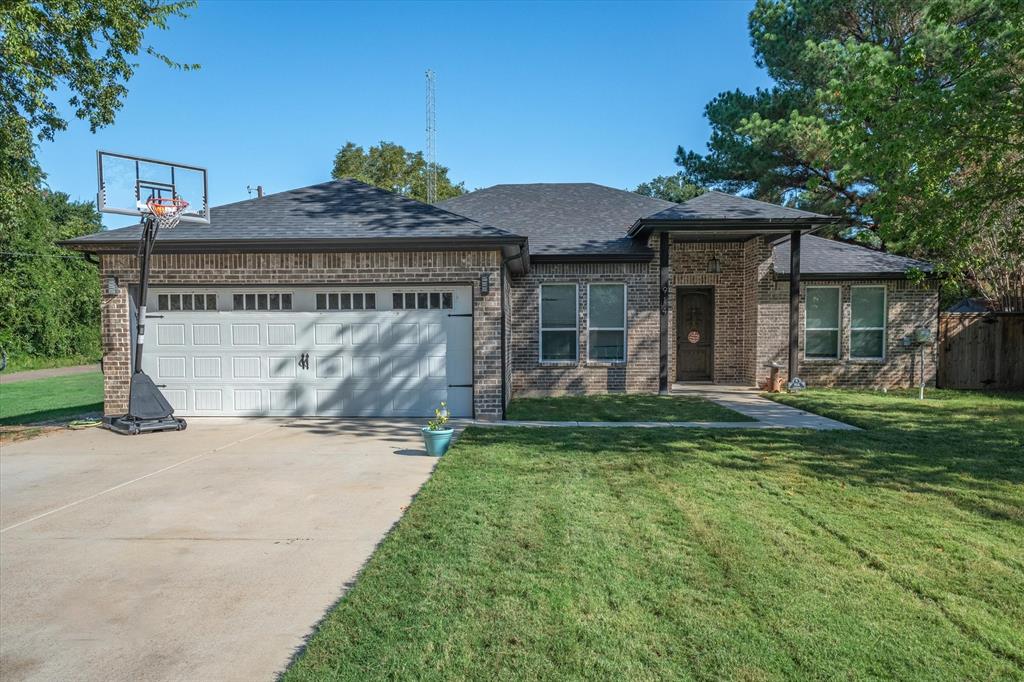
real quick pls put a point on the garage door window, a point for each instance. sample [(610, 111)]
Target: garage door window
[(258, 301), (175, 302), (421, 300), (558, 329), (346, 301)]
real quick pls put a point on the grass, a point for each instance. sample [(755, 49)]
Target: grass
[(895, 552), (24, 363), (26, 402), (622, 407)]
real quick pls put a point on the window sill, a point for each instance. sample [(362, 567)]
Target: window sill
[(559, 363), (605, 363)]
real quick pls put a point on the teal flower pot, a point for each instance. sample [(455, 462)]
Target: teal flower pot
[(437, 442)]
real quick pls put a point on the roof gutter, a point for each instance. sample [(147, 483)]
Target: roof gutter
[(168, 246), (645, 226)]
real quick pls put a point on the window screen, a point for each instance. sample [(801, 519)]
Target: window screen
[(867, 322), (821, 323), (558, 324), (606, 328)]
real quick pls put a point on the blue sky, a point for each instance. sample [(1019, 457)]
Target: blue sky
[(526, 92)]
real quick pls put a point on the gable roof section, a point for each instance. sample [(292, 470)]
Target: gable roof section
[(570, 220), (332, 213), (822, 258), (717, 211)]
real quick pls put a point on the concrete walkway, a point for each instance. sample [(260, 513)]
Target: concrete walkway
[(747, 401), (31, 374)]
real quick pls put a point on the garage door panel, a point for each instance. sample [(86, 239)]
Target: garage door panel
[(245, 334), (247, 400), (208, 399), (177, 397), (206, 367), (281, 334), (170, 334), (282, 367), (171, 368), (245, 367), (205, 334), (329, 334), (361, 362), (329, 366), (367, 366)]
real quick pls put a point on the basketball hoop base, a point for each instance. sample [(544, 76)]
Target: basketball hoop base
[(131, 426)]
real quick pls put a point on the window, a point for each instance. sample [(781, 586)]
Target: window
[(821, 323), (261, 301), (558, 323), (423, 300), (176, 302), (867, 322), (606, 322), (339, 301)]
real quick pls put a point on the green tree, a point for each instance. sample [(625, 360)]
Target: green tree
[(49, 296), (675, 188), (904, 115), (83, 47), (389, 166)]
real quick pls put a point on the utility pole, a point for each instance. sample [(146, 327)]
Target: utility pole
[(431, 140)]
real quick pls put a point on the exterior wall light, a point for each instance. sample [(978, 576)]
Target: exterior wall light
[(714, 265), (485, 283), (110, 287)]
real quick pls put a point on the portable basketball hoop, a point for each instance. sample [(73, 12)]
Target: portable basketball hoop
[(166, 211), (152, 190)]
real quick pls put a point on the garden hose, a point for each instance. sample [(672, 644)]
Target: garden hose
[(79, 424)]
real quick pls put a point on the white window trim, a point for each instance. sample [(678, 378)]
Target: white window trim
[(885, 322), (838, 330), (625, 349), (541, 329)]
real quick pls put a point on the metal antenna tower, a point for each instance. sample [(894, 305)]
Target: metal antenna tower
[(431, 141)]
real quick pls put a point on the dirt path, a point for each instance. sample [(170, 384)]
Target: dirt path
[(31, 374)]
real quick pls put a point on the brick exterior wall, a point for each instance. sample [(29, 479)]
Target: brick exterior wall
[(909, 305), (751, 315), (283, 269), (638, 375)]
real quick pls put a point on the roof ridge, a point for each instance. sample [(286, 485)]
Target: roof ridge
[(758, 201)]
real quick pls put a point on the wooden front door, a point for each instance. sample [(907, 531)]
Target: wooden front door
[(695, 327)]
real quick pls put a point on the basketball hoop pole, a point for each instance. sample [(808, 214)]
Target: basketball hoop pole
[(149, 230), (148, 409)]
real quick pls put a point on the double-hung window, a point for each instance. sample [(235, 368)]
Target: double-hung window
[(867, 322), (821, 323), (559, 315), (606, 322)]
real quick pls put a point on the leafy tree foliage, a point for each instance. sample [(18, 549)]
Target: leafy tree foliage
[(83, 46), (389, 166), (49, 296), (675, 188), (907, 116)]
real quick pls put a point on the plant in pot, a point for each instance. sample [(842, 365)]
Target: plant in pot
[(437, 436)]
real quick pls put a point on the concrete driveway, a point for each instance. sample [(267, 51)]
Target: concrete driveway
[(207, 554)]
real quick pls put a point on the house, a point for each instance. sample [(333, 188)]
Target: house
[(343, 299)]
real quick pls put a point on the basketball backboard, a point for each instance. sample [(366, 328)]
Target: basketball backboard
[(125, 182)]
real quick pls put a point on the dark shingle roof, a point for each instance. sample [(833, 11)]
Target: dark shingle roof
[(336, 210), (822, 257), (563, 218), (714, 205)]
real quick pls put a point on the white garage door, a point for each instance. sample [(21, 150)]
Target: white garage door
[(324, 351)]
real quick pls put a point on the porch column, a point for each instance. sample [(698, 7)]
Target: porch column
[(664, 278), (794, 305)]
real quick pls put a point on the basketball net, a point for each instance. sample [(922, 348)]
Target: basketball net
[(166, 211)]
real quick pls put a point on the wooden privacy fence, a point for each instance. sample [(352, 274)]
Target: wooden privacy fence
[(981, 350)]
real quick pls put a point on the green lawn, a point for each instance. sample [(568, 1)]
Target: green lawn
[(896, 552), (622, 408), (24, 402)]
